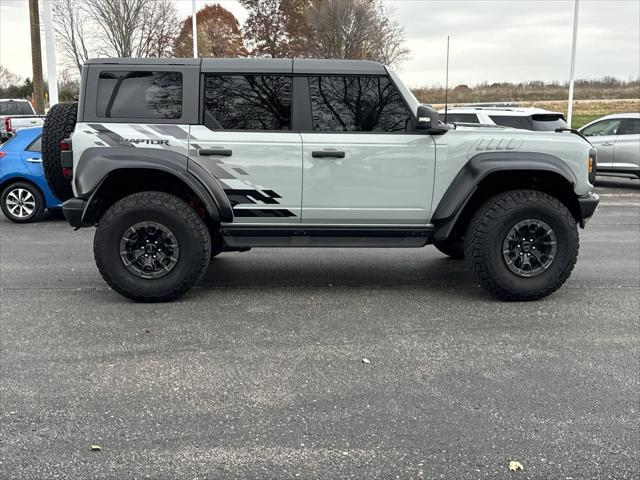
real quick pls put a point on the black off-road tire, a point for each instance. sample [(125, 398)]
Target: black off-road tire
[(454, 248), (488, 229), (190, 232), (36, 202), (58, 125)]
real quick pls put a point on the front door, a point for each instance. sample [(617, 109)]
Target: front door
[(362, 165), (246, 142), (603, 135)]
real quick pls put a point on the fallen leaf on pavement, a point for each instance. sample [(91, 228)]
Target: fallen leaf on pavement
[(515, 466), (96, 448), (365, 360)]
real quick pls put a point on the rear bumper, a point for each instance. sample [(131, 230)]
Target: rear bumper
[(588, 204), (73, 210)]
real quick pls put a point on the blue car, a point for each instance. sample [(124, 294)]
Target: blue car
[(24, 191)]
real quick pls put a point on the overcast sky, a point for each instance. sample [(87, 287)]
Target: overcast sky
[(490, 40)]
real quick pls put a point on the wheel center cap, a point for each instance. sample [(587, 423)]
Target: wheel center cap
[(526, 247), (150, 249)]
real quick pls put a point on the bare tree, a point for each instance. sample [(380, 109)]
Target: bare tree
[(386, 39), (355, 29), (158, 32), (134, 28), (8, 78), (70, 21)]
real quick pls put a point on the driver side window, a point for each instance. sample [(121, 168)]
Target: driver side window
[(606, 127), (357, 104)]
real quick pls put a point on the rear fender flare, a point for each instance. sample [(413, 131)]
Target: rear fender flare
[(97, 163)]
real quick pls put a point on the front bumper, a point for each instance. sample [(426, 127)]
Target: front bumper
[(587, 204), (73, 210)]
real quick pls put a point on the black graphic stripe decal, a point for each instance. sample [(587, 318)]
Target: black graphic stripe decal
[(108, 136), (250, 212)]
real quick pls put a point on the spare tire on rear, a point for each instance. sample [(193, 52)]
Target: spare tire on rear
[(58, 125)]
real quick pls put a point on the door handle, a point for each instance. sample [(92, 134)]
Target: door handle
[(606, 144), (327, 154), (34, 160), (214, 151)]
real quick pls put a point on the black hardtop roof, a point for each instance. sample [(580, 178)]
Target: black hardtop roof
[(258, 65)]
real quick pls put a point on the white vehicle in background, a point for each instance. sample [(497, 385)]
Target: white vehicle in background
[(617, 139), (17, 113), (505, 115)]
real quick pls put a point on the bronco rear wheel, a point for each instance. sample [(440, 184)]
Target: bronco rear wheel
[(151, 247), (522, 244)]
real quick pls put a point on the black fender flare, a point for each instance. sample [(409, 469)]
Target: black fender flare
[(479, 167), (97, 163)]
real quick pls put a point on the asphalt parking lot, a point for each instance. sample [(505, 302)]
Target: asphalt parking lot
[(258, 372)]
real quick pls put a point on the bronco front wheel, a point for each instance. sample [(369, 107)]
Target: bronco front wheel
[(151, 247), (522, 244)]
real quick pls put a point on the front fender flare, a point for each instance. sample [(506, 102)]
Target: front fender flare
[(479, 167)]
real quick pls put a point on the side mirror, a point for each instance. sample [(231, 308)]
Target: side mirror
[(429, 120)]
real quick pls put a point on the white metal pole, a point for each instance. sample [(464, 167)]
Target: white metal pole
[(50, 44), (194, 28), (573, 62)]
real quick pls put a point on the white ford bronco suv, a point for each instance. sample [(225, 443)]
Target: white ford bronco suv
[(177, 160)]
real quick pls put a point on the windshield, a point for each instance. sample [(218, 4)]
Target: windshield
[(16, 108)]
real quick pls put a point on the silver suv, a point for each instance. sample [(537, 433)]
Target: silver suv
[(617, 139), (176, 161)]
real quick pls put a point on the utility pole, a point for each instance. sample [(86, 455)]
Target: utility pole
[(36, 57), (50, 42), (194, 28), (573, 62)]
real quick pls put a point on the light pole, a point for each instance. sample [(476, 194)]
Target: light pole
[(50, 43), (573, 62), (194, 28)]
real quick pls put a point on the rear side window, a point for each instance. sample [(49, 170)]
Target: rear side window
[(460, 117), (548, 123), (512, 121), (16, 108), (139, 94), (36, 145), (357, 104), (247, 102), (631, 126), (605, 127)]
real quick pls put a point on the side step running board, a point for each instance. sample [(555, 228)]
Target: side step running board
[(243, 236)]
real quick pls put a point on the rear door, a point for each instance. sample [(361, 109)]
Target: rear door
[(627, 147), (246, 142), (363, 163), (33, 156)]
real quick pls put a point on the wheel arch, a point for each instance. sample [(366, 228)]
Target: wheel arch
[(104, 176), (121, 182), (488, 174), (8, 181)]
